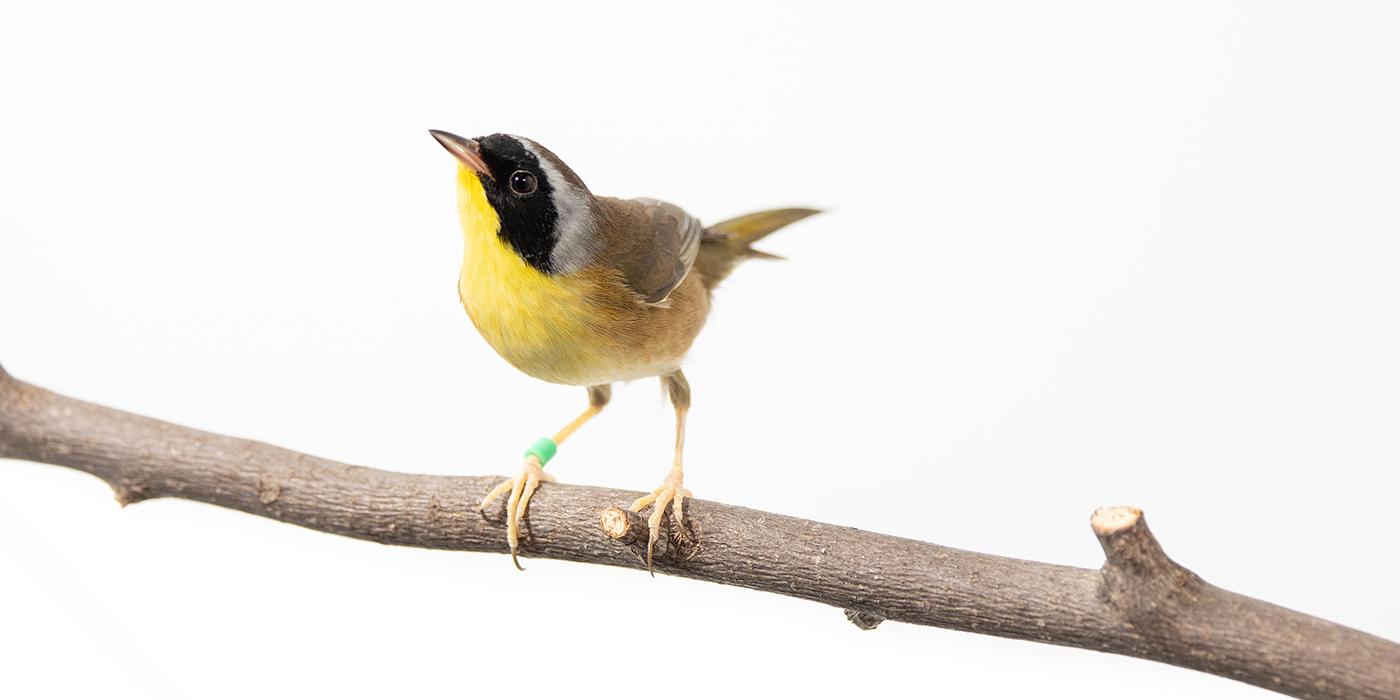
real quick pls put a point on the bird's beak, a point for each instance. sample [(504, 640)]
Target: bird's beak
[(465, 150)]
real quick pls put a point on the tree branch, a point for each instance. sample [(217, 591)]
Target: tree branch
[(1141, 603)]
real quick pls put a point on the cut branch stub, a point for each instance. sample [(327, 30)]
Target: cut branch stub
[(1139, 579), (623, 525), (630, 528), (1128, 544)]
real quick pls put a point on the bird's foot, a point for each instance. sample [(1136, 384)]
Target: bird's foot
[(672, 492), (521, 488)]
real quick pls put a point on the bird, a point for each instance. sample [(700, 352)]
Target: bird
[(586, 290)]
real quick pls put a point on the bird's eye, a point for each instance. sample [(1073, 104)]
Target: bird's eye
[(523, 182)]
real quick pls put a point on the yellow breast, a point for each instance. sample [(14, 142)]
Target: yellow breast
[(540, 323)]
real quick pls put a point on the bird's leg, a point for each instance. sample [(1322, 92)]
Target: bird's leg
[(672, 491), (532, 474)]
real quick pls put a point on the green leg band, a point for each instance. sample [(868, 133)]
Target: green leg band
[(543, 450)]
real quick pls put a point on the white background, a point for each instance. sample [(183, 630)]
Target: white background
[(1077, 254)]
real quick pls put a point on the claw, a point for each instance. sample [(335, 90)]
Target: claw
[(495, 493), (671, 493), (521, 489)]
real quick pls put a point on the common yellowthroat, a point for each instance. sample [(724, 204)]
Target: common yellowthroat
[(574, 288)]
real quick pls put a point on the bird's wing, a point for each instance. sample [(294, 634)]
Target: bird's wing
[(661, 255)]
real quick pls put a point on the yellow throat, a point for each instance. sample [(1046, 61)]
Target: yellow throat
[(523, 313)]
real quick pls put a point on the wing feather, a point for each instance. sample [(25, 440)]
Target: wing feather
[(658, 263)]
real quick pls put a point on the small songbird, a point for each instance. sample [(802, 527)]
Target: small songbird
[(578, 289)]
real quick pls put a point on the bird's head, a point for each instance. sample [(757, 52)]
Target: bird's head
[(518, 190)]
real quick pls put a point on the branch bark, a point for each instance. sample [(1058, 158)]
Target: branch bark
[(1140, 603)]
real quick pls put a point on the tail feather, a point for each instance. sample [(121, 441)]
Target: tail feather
[(729, 242), (750, 228)]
